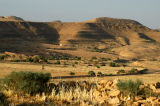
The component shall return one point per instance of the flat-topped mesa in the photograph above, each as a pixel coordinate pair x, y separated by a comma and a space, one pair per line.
10, 18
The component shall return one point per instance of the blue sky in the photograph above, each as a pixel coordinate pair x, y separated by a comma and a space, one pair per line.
146, 12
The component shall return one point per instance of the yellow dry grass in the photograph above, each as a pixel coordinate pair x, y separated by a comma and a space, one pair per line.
64, 70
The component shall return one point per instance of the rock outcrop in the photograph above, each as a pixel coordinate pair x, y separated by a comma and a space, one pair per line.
107, 93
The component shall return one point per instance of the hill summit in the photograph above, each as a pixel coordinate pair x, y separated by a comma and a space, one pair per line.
10, 18
126, 38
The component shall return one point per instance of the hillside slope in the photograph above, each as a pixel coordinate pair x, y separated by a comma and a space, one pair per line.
105, 33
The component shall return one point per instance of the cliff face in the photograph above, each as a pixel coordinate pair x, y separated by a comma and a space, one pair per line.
106, 32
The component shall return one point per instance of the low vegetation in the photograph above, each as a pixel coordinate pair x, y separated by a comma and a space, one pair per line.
29, 86
99, 73
129, 87
72, 73
3, 99
113, 64
26, 82
2, 57
91, 73
121, 71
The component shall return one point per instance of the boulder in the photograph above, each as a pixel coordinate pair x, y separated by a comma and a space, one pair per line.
114, 93
103, 82
114, 101
151, 99
109, 86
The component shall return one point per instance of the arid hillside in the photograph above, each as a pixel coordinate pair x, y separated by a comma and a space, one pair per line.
119, 37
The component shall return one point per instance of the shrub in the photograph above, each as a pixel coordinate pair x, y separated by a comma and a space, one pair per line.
93, 58
103, 64
133, 71
75, 62
2, 57
72, 73
112, 64
51, 57
3, 100
146, 92
27, 82
20, 57
29, 59
65, 63
36, 59
129, 87
104, 59
58, 62
100, 73
91, 73
120, 71
77, 58
43, 59
98, 66
73, 65
144, 71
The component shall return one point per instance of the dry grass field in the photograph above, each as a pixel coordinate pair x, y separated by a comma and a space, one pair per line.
152, 76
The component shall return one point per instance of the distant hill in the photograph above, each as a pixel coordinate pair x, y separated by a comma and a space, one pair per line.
123, 36
158, 29
10, 18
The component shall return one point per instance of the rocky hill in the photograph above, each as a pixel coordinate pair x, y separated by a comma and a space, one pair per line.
121, 36
10, 18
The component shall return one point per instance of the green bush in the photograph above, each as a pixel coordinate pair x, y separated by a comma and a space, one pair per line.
36, 59
103, 64
75, 62
98, 66
2, 57
129, 87
146, 92
65, 63
72, 73
29, 59
73, 65
51, 57
93, 58
58, 62
91, 73
99, 73
132, 71
120, 71
77, 58
26, 82
112, 64
43, 59
105, 59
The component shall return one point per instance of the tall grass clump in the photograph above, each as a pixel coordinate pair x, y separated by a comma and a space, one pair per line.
26, 82
129, 87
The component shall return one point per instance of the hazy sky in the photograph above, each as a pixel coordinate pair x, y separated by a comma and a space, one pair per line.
146, 12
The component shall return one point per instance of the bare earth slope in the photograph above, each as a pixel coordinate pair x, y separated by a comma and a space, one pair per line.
124, 38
